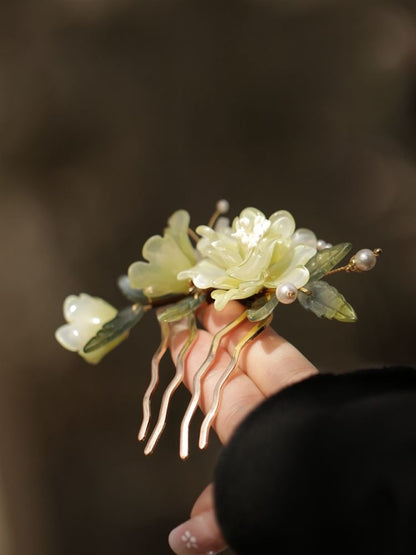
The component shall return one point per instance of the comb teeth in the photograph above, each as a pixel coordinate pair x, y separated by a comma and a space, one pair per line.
172, 386
157, 357
197, 382
202, 370
219, 387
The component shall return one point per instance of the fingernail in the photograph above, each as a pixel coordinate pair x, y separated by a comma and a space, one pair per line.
199, 535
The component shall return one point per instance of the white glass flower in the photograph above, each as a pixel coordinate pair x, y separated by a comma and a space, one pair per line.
86, 315
167, 256
253, 254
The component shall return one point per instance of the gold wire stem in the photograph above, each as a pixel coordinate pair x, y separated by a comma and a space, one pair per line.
157, 357
214, 217
211, 414
171, 388
192, 234
305, 290
347, 268
184, 434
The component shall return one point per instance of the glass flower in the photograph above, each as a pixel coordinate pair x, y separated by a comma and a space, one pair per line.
255, 253
86, 315
167, 256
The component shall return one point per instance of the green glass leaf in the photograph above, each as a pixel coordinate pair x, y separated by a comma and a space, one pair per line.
324, 261
262, 308
326, 301
125, 320
133, 295
182, 308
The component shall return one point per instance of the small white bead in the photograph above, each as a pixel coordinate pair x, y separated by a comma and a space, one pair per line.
321, 244
365, 260
223, 206
286, 293
303, 236
328, 246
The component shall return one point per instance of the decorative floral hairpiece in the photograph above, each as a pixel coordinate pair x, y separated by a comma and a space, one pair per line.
257, 260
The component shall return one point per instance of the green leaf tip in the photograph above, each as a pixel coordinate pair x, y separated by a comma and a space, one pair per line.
327, 302
324, 261
122, 323
181, 309
262, 308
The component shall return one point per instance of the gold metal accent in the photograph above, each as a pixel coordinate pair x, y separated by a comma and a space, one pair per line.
193, 235
378, 251
214, 218
211, 414
184, 435
347, 268
305, 290
171, 388
164, 327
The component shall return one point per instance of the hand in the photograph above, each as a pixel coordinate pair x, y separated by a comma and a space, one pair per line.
267, 364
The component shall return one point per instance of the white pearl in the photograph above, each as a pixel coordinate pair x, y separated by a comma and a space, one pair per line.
223, 206
286, 293
321, 244
328, 246
365, 260
303, 236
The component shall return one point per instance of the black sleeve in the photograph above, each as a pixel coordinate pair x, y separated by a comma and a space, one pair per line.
325, 466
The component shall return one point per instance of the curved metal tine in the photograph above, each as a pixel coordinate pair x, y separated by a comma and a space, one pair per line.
154, 380
171, 388
184, 437
211, 414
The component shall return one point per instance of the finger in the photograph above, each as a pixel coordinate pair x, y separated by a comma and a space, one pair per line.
270, 361
204, 502
240, 394
199, 535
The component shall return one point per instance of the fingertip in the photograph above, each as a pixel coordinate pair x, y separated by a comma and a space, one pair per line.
199, 535
211, 318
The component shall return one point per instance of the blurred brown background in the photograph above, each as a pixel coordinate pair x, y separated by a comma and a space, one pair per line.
114, 113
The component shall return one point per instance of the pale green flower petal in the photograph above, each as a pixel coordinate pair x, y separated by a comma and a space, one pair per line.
226, 282
155, 281
299, 276
84, 307
252, 268
178, 229
302, 254
282, 224
167, 256
222, 297
71, 337
202, 274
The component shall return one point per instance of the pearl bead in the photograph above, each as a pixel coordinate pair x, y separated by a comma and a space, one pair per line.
321, 244
223, 206
303, 236
286, 293
328, 246
365, 260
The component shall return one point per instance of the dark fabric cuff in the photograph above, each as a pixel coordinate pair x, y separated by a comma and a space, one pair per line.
328, 464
